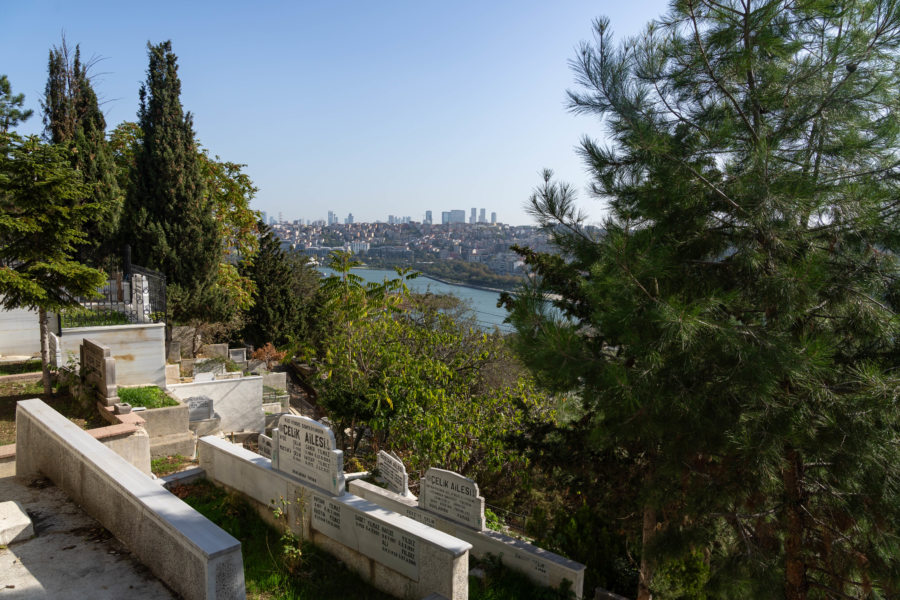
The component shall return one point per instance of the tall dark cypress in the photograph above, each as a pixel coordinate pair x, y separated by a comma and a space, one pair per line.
72, 117
168, 218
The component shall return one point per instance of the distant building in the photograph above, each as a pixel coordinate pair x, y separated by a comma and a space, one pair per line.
481, 218
428, 217
457, 216
349, 219
493, 218
262, 217
472, 217
445, 217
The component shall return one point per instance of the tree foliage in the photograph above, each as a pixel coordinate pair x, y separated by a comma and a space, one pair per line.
10, 112
732, 336
43, 205
284, 290
168, 217
418, 379
72, 117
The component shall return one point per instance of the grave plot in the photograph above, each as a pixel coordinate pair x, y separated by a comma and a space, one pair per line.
394, 553
451, 503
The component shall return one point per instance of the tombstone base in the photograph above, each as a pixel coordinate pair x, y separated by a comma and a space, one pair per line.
109, 401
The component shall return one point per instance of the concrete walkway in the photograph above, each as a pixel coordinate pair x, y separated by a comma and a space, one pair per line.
71, 557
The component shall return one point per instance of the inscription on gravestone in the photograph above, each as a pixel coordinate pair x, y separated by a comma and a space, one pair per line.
452, 496
99, 370
395, 549
306, 450
393, 472
199, 408
265, 446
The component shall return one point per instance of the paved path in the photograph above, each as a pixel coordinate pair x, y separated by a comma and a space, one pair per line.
71, 557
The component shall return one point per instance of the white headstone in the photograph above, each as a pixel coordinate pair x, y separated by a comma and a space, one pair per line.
265, 446
371, 536
307, 450
99, 369
452, 496
393, 472
200, 408
206, 376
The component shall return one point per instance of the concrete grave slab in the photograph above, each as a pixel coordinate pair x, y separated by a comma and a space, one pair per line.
15, 524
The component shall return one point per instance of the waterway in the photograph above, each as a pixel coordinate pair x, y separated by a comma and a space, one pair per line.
482, 303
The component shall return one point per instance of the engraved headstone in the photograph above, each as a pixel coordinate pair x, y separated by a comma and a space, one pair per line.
393, 472
264, 444
395, 549
307, 450
238, 355
99, 370
452, 496
200, 408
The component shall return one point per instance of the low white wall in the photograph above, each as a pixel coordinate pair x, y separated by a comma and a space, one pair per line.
363, 535
541, 566
20, 332
183, 548
139, 350
237, 401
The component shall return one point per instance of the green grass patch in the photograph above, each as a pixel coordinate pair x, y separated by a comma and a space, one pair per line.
148, 396
29, 366
275, 566
166, 465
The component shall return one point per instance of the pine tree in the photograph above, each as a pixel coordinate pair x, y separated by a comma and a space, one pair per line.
10, 113
43, 206
731, 335
72, 117
168, 217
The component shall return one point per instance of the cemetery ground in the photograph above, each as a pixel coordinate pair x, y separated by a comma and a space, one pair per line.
12, 390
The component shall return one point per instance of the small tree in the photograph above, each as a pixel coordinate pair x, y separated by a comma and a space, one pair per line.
43, 206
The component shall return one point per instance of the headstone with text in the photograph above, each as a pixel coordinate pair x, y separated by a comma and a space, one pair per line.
307, 451
264, 443
369, 535
453, 497
200, 408
99, 370
393, 472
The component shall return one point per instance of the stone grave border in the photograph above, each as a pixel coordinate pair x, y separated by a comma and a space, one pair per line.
442, 560
183, 548
539, 565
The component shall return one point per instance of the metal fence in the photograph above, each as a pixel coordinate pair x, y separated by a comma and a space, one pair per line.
138, 296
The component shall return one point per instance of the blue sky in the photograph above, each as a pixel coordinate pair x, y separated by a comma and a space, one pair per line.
373, 108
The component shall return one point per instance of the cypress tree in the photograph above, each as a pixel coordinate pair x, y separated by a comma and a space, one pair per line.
732, 336
284, 288
72, 117
168, 217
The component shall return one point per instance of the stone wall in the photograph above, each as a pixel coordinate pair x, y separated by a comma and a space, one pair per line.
238, 402
183, 548
139, 350
19, 332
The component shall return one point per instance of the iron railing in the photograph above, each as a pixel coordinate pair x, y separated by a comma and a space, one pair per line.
138, 296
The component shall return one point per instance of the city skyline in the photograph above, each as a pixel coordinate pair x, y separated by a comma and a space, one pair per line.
363, 108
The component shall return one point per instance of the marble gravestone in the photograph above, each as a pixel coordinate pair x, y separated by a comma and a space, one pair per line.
199, 408
264, 444
99, 370
306, 450
393, 472
453, 497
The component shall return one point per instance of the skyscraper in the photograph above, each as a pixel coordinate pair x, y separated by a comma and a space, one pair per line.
428, 217
472, 217
445, 217
481, 218
493, 218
